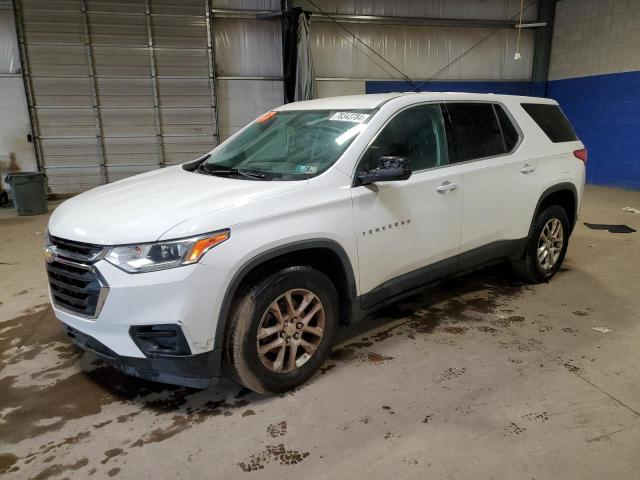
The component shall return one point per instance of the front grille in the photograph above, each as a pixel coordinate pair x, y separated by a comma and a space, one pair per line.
76, 288
76, 250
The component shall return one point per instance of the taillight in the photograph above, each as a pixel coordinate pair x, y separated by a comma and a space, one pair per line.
581, 154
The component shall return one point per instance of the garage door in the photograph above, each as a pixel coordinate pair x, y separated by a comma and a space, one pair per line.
117, 87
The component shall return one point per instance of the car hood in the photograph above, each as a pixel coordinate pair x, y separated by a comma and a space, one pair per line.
144, 207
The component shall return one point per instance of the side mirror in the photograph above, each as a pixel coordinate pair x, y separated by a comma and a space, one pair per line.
390, 169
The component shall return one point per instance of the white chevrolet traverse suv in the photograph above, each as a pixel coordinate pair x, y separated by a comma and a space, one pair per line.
248, 259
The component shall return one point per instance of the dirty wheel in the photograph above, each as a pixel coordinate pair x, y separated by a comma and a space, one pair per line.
282, 329
546, 247
290, 331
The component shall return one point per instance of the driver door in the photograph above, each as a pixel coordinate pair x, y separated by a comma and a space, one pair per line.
408, 232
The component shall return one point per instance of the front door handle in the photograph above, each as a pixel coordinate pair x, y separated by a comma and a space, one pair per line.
447, 187
527, 168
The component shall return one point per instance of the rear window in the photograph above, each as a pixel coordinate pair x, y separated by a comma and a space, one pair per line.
477, 130
552, 122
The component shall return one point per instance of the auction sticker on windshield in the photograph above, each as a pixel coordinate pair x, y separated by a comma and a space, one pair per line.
349, 117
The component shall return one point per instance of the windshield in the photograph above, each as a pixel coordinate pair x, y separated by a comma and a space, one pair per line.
290, 145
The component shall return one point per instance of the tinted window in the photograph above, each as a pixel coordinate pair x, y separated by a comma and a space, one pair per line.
552, 121
473, 131
417, 133
509, 132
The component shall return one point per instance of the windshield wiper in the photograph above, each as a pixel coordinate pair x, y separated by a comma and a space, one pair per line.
230, 171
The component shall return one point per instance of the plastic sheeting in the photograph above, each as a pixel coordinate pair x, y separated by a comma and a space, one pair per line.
248, 47
419, 52
9, 53
305, 75
469, 9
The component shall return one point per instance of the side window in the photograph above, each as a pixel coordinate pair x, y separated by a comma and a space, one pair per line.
473, 131
417, 133
552, 121
509, 132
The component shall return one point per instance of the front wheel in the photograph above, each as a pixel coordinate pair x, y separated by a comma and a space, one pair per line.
546, 246
281, 329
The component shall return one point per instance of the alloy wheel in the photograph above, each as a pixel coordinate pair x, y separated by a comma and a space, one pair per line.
290, 330
550, 244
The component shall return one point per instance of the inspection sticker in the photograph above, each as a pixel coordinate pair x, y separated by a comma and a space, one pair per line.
306, 169
349, 117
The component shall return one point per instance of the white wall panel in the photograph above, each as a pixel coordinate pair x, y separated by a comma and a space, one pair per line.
248, 47
336, 88
241, 101
419, 52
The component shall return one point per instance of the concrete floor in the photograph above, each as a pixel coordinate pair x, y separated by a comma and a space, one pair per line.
478, 378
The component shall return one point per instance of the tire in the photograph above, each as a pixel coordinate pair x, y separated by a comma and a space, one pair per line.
530, 268
256, 310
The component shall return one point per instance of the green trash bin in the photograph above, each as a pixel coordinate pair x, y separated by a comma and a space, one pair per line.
29, 192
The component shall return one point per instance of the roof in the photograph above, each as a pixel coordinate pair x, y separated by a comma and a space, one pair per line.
349, 102
374, 100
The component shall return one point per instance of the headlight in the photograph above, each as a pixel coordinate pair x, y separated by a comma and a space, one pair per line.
149, 257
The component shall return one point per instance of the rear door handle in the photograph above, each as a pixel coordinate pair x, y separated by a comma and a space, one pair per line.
447, 187
528, 168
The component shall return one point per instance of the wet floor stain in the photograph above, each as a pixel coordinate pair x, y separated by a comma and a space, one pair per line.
465, 411
573, 367
7, 461
59, 469
392, 435
455, 330
272, 453
277, 429
451, 373
327, 368
514, 429
75, 386
109, 454
541, 417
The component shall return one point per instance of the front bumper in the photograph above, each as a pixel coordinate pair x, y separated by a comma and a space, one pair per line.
194, 371
187, 298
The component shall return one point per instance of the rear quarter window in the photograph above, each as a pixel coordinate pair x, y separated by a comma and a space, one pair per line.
552, 121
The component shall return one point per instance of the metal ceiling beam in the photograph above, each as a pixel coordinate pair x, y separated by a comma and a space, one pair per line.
375, 19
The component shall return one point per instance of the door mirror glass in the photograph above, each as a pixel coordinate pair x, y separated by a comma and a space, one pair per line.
389, 169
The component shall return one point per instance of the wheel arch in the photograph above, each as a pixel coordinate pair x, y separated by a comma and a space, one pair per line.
564, 194
327, 256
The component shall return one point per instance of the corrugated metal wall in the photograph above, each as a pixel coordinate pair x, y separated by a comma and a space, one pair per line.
117, 87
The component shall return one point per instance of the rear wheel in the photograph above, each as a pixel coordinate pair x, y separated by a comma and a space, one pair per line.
282, 329
546, 247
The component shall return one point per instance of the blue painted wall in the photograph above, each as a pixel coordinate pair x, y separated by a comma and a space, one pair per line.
604, 109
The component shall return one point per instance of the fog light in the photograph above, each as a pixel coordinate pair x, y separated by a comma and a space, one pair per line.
160, 340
